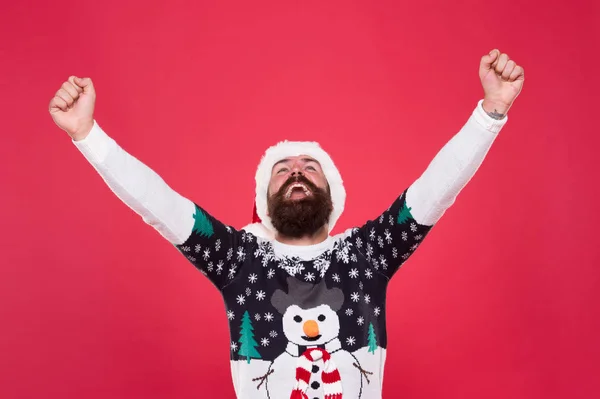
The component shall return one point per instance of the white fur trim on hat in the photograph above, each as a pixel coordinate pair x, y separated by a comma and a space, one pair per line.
286, 149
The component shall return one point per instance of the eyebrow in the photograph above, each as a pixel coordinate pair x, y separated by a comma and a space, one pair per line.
285, 160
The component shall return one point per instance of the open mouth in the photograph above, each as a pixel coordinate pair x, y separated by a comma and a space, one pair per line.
310, 339
297, 190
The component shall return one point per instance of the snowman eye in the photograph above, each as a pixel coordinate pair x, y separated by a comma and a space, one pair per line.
321, 317
297, 319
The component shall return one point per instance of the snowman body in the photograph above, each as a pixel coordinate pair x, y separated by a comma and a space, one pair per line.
283, 378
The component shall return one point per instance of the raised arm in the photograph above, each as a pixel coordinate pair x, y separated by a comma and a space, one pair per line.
392, 238
179, 220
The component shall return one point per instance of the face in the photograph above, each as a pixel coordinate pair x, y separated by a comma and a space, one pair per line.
314, 326
293, 166
299, 202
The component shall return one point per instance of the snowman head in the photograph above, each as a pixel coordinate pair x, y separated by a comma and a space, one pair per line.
309, 312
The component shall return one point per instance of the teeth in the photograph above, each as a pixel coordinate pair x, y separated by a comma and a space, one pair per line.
288, 194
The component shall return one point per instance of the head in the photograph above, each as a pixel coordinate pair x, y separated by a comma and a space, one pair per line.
309, 311
298, 188
298, 197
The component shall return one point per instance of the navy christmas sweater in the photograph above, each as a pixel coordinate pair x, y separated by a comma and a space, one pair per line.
284, 302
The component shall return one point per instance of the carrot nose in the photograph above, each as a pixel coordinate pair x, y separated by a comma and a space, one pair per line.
311, 328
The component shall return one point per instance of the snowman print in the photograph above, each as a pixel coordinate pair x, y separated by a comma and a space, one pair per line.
314, 365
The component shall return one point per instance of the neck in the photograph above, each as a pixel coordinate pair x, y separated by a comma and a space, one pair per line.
312, 239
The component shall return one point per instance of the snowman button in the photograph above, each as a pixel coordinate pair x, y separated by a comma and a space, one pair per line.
315, 369
315, 385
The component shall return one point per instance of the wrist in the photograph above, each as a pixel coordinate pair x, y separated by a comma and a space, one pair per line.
495, 109
83, 131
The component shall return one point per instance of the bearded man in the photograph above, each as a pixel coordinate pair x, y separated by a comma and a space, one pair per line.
306, 310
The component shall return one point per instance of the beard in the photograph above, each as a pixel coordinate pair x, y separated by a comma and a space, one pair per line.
302, 217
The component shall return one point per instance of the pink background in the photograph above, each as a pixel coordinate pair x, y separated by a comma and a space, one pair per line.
501, 301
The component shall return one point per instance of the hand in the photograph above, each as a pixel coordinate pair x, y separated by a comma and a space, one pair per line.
502, 80
72, 107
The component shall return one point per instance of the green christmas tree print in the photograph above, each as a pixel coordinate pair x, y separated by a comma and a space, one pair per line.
372, 339
202, 224
404, 214
247, 342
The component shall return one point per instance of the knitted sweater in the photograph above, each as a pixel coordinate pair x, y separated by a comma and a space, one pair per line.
282, 300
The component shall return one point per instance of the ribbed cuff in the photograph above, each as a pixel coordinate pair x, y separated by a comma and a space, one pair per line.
96, 145
489, 123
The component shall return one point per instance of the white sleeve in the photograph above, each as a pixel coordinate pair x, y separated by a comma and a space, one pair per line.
452, 168
138, 186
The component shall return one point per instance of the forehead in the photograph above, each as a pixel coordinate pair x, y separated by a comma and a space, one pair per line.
292, 160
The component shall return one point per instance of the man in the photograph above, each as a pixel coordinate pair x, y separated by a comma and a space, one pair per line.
306, 310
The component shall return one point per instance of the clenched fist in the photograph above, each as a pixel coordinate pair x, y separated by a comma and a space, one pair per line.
72, 107
502, 80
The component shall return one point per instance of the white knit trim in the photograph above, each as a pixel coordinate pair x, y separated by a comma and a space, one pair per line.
286, 149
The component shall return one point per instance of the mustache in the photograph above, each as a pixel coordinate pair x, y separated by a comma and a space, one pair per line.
297, 179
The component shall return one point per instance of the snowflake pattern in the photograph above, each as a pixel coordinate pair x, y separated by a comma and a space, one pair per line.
321, 264
358, 242
369, 255
291, 265
220, 267
241, 254
342, 250
388, 236
382, 262
265, 253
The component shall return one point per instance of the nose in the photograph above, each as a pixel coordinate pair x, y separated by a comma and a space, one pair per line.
296, 170
311, 328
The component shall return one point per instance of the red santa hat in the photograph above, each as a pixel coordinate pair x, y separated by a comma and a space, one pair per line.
261, 223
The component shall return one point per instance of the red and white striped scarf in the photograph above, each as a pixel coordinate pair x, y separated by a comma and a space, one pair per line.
330, 376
